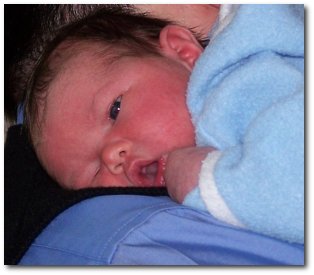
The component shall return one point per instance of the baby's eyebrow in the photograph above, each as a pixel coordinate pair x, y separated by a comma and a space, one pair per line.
102, 97
100, 104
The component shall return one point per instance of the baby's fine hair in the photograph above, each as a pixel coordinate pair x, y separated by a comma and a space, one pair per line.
123, 33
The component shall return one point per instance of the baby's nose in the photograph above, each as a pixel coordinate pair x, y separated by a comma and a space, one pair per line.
115, 155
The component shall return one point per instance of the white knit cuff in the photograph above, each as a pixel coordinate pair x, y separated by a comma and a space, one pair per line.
213, 200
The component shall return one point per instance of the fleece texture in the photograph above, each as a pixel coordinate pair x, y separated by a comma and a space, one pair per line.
246, 98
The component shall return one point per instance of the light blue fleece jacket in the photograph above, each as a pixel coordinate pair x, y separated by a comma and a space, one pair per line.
246, 98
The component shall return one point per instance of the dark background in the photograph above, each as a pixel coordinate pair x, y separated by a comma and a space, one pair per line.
20, 20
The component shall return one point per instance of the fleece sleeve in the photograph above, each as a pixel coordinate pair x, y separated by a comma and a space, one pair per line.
260, 184
246, 98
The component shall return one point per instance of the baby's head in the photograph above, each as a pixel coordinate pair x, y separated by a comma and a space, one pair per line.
107, 100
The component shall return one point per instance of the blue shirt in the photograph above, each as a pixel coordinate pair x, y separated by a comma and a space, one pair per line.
141, 230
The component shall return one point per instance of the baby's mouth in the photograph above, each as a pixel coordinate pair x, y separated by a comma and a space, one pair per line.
154, 172
148, 174
150, 170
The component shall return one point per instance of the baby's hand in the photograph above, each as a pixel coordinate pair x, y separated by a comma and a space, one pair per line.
182, 170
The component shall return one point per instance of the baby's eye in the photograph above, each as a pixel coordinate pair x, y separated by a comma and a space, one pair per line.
115, 108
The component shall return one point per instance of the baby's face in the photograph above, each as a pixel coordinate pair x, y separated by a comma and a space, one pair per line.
110, 125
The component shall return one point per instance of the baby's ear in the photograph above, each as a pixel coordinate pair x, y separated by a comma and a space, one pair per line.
180, 44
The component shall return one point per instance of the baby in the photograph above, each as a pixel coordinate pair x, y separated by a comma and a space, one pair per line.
108, 101
107, 106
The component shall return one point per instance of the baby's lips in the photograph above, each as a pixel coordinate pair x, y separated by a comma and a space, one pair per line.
163, 162
147, 173
163, 159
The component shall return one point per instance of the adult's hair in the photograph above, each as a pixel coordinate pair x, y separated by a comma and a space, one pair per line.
121, 33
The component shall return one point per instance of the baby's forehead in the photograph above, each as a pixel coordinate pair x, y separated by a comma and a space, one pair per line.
70, 58
68, 51
51, 76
